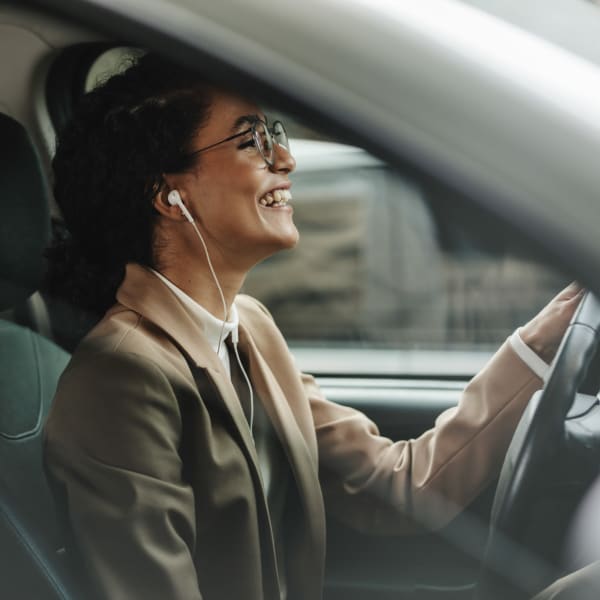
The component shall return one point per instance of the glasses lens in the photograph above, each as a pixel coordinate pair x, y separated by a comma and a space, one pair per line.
280, 135
264, 141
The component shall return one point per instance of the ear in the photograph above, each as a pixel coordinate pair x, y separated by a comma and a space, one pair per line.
163, 207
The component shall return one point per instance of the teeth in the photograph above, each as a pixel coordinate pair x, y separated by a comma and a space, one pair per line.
276, 198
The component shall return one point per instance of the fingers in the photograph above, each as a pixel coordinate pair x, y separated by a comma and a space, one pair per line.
572, 291
544, 332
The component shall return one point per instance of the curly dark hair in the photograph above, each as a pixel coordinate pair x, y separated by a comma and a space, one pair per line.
108, 167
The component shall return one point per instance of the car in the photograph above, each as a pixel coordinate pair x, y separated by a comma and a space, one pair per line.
446, 187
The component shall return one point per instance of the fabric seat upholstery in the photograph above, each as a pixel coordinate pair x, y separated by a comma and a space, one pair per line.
33, 565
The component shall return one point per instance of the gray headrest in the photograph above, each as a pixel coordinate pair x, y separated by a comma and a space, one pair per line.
24, 214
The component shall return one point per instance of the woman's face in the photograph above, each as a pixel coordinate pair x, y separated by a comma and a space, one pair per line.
226, 192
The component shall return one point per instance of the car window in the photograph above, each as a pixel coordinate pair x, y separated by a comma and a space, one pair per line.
388, 262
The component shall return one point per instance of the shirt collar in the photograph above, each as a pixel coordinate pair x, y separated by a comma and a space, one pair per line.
211, 325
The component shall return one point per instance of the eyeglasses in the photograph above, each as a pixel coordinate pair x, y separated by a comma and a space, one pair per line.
264, 139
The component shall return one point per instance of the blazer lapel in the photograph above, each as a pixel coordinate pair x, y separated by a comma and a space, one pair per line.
144, 293
301, 462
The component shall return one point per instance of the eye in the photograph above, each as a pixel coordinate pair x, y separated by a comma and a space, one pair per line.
246, 144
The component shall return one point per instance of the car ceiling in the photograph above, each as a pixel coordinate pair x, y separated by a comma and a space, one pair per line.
518, 130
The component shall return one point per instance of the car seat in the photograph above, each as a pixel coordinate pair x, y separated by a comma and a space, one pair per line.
33, 565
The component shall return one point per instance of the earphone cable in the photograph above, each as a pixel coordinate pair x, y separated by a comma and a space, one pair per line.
214, 276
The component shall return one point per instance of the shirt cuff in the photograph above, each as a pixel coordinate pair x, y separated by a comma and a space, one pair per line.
529, 357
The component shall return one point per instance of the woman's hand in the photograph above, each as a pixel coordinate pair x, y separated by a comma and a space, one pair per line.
545, 331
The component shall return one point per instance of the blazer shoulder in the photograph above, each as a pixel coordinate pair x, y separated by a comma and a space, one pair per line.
127, 335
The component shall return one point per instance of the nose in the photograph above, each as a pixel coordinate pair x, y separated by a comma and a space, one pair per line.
284, 161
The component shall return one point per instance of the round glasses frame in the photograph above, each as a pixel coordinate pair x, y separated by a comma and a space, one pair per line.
264, 138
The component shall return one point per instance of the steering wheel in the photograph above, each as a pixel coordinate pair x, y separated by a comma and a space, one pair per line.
540, 441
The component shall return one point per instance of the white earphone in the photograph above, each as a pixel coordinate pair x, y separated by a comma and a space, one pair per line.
174, 199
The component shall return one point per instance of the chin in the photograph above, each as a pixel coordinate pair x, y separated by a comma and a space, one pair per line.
291, 240
282, 242
283, 238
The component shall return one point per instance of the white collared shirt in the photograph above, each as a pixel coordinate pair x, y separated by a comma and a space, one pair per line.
215, 329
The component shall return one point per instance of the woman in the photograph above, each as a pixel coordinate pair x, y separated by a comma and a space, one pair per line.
189, 456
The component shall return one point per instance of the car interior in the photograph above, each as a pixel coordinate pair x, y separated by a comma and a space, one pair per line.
52, 61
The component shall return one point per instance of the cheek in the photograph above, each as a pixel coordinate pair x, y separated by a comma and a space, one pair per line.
240, 186
229, 197
234, 214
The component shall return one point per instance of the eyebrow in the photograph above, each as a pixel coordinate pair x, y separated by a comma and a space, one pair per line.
245, 120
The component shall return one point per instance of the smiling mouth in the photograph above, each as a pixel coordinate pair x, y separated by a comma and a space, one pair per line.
276, 198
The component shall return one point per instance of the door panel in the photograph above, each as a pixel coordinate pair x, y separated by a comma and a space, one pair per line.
402, 408
422, 566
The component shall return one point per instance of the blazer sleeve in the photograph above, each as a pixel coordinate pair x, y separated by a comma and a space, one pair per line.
381, 486
111, 450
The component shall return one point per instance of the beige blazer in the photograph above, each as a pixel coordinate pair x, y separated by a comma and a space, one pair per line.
154, 467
